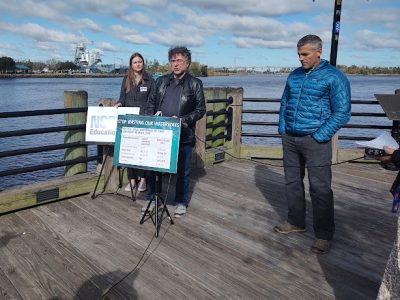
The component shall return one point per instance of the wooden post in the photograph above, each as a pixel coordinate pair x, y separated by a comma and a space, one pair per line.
110, 172
216, 154
73, 99
237, 109
200, 147
218, 93
199, 155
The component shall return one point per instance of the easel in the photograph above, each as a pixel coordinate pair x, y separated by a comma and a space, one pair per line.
108, 153
152, 143
155, 215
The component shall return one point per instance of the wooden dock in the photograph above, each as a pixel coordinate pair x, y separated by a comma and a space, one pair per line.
225, 248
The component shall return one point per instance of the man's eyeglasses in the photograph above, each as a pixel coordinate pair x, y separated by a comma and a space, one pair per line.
177, 61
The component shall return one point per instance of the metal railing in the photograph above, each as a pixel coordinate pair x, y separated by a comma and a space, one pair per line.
225, 125
276, 112
44, 130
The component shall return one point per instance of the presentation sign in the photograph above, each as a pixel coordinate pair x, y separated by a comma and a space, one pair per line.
101, 123
147, 142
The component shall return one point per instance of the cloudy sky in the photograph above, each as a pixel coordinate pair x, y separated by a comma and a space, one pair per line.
219, 32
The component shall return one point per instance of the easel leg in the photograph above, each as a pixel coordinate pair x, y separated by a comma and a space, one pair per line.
98, 178
164, 209
120, 179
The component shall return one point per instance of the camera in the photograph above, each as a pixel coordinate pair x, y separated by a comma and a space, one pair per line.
373, 152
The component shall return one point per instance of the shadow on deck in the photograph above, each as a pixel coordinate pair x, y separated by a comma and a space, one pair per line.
224, 248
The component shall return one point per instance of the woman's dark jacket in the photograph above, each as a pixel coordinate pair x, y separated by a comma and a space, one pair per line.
140, 95
192, 105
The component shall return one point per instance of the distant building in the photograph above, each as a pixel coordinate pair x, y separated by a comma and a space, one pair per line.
22, 69
86, 60
106, 68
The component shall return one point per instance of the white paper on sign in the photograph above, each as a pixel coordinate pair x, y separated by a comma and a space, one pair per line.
385, 139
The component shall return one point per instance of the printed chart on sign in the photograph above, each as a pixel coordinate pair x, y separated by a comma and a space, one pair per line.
146, 147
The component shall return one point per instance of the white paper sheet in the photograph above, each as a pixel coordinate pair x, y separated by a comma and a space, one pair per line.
385, 139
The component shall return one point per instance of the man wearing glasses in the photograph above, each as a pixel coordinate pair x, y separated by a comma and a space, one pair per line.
180, 95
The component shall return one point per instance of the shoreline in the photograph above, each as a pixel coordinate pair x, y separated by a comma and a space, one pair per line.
111, 75
60, 75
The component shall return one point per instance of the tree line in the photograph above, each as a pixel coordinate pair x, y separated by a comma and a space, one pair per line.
364, 70
8, 65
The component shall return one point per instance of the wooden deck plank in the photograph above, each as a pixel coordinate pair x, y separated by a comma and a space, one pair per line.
28, 271
7, 290
225, 247
127, 213
103, 239
74, 266
175, 254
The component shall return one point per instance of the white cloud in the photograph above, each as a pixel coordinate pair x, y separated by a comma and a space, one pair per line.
6, 46
45, 46
104, 46
29, 8
254, 42
117, 8
9, 50
365, 39
255, 7
139, 18
55, 26
84, 23
39, 33
261, 31
168, 38
129, 35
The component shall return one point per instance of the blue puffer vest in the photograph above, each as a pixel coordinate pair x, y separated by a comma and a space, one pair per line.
316, 103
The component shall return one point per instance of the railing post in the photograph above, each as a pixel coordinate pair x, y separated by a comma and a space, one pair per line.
111, 172
73, 99
237, 111
200, 147
200, 157
220, 146
218, 93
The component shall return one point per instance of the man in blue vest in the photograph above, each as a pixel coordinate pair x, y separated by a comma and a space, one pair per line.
315, 104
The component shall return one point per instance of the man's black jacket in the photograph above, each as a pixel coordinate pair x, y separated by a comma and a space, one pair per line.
192, 105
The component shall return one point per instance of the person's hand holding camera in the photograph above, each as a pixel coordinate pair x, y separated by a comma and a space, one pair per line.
387, 157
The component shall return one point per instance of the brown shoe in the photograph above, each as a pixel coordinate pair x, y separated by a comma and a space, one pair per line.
286, 228
321, 246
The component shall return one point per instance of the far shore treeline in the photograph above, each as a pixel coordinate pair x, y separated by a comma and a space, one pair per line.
53, 67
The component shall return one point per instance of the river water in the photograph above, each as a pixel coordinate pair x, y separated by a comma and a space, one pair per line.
47, 93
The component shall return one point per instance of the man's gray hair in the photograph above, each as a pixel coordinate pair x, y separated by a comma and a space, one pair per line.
313, 40
180, 50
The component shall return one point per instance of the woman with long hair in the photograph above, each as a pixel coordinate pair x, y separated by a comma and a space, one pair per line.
137, 88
